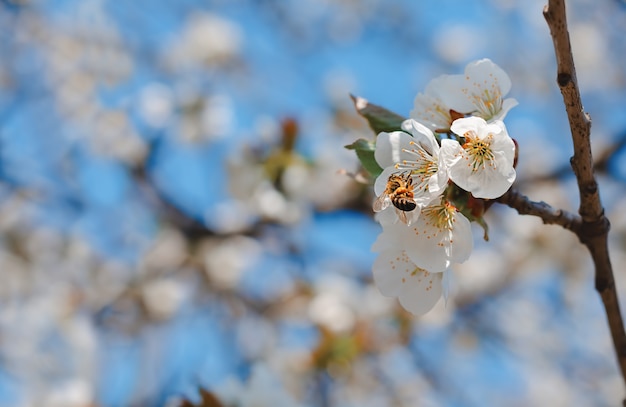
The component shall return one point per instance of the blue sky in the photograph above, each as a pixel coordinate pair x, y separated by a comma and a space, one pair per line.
290, 51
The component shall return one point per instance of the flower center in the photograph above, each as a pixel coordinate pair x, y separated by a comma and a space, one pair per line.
479, 151
422, 167
441, 216
488, 103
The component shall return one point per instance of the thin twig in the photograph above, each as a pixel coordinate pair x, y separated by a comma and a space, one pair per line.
593, 231
547, 213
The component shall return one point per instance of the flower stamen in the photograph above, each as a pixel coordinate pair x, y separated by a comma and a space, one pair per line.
441, 216
479, 151
422, 167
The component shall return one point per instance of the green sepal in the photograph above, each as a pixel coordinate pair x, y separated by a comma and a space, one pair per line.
379, 118
481, 221
470, 214
365, 151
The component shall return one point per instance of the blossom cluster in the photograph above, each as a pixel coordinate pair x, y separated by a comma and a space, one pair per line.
453, 152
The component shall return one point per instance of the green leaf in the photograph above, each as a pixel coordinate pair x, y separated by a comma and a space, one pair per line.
379, 118
365, 151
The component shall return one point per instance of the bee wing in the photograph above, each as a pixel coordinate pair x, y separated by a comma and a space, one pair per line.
402, 216
381, 203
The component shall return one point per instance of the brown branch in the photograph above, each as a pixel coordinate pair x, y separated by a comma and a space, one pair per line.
580, 123
594, 229
547, 213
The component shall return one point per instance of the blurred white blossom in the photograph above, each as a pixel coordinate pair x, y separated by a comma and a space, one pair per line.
226, 261
164, 297
167, 251
156, 104
207, 40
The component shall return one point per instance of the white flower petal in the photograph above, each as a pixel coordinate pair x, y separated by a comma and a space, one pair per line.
433, 246
396, 276
484, 164
507, 104
431, 111
452, 94
383, 242
486, 75
502, 143
446, 283
420, 291
462, 242
390, 238
390, 269
439, 181
451, 153
429, 254
485, 86
389, 147
489, 183
432, 108
381, 181
422, 135
471, 124
386, 217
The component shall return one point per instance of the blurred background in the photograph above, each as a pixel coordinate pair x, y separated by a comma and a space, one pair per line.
178, 220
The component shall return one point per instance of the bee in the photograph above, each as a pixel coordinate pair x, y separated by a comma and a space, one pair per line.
399, 192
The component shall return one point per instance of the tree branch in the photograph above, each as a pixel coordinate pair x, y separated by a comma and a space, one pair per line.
594, 229
547, 213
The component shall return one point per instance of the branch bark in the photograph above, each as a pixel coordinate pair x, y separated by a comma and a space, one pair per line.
549, 215
592, 226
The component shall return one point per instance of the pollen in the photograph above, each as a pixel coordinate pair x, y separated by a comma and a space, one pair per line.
489, 101
423, 165
479, 151
441, 216
420, 271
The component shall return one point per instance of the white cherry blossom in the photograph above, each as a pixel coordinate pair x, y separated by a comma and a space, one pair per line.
416, 156
396, 275
415, 256
483, 165
483, 90
414, 261
438, 238
432, 108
